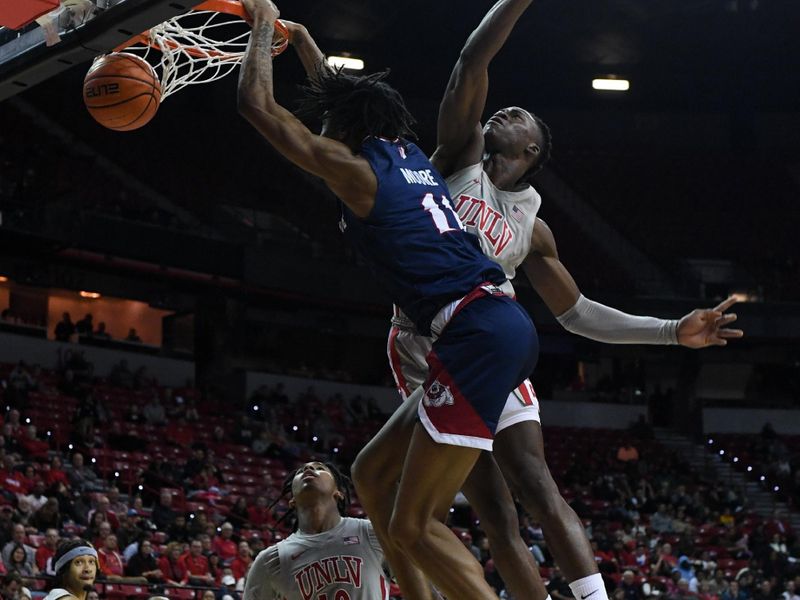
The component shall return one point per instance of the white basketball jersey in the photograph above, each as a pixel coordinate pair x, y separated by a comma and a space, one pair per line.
343, 563
503, 221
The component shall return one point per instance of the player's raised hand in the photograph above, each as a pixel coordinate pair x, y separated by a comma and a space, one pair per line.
265, 9
296, 30
707, 327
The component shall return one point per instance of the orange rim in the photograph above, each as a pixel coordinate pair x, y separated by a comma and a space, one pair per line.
229, 7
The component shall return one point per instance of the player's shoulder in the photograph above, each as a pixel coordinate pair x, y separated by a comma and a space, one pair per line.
268, 555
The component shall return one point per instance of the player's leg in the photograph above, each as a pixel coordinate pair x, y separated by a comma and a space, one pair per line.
376, 473
488, 494
519, 452
432, 475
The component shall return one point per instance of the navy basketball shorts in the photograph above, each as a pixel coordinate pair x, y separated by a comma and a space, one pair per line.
486, 349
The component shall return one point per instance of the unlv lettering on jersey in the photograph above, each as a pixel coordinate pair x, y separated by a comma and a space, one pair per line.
104, 89
314, 578
474, 212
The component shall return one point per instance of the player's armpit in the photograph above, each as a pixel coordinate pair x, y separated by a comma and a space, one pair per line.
349, 176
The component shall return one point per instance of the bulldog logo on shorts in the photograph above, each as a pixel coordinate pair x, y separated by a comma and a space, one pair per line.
438, 395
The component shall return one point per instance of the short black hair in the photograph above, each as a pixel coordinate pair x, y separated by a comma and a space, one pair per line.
546, 147
62, 549
362, 104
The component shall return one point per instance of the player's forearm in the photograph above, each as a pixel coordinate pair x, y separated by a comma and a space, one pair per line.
255, 79
493, 31
309, 53
605, 324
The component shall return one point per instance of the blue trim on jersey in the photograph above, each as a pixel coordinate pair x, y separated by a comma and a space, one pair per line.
412, 239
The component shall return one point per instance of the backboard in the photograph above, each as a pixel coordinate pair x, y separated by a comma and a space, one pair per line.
26, 58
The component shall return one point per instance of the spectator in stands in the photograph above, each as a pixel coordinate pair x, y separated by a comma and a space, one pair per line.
178, 530
764, 591
103, 531
790, 592
18, 562
20, 383
128, 529
631, 589
154, 411
163, 513
81, 477
660, 521
215, 567
224, 545
48, 516
244, 558
85, 326
115, 503
56, 473
100, 333
144, 564
18, 540
110, 560
173, 569
227, 590
65, 328
104, 508
133, 548
259, 515
239, 515
665, 562
133, 336
11, 586
196, 565
557, 587
46, 551
32, 446
734, 592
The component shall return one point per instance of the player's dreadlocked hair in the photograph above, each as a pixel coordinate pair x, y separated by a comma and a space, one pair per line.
343, 484
546, 149
365, 104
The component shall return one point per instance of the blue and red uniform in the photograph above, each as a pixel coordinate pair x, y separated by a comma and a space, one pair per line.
436, 273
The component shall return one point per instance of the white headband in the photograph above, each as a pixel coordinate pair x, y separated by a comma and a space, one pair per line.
74, 553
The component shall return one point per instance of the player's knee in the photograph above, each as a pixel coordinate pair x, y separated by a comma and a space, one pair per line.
405, 531
368, 473
534, 485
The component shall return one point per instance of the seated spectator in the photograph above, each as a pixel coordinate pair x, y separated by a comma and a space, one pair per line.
215, 567
241, 564
109, 559
238, 514
259, 515
19, 562
144, 564
103, 531
178, 530
32, 446
631, 589
558, 587
115, 503
224, 545
172, 568
133, 336
65, 328
85, 326
163, 513
790, 593
81, 477
104, 508
100, 333
665, 562
56, 473
11, 587
46, 551
734, 592
20, 383
196, 565
18, 540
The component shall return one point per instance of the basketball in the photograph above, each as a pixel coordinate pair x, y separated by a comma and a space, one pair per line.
121, 91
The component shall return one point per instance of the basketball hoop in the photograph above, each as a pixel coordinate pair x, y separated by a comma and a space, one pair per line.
200, 46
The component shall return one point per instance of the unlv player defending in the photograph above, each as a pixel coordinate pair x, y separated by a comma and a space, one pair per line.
398, 214
330, 556
488, 170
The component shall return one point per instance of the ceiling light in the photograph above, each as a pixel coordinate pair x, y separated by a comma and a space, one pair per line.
611, 85
348, 62
92, 295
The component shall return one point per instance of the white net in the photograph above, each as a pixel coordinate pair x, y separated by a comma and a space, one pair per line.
199, 47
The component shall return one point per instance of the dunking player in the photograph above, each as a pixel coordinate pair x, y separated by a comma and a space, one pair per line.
330, 556
398, 214
487, 170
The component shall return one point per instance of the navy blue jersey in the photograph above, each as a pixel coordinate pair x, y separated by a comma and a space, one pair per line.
412, 239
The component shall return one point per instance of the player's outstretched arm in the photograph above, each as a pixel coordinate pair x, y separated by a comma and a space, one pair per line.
348, 175
307, 50
554, 284
460, 140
